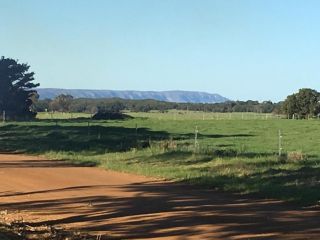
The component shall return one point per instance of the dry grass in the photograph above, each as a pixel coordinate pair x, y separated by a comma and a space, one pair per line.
295, 156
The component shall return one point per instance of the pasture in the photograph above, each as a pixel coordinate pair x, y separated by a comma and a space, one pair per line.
231, 152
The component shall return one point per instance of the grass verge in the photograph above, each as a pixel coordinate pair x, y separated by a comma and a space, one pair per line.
231, 155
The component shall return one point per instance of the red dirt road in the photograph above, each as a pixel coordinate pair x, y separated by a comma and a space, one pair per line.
125, 206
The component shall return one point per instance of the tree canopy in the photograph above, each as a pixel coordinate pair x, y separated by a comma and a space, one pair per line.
302, 104
62, 103
17, 92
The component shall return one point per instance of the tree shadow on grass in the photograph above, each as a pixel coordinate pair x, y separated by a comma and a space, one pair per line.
204, 136
51, 135
95, 139
184, 157
300, 186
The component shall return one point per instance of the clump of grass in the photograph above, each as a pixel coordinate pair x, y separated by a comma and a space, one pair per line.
296, 156
163, 145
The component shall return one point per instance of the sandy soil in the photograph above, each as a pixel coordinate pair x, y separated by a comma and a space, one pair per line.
125, 206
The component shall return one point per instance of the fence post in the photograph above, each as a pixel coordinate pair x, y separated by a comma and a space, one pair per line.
196, 144
280, 143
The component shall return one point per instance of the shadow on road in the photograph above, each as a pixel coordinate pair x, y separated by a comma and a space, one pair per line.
156, 209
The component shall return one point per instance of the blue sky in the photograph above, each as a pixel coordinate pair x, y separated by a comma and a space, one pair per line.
259, 49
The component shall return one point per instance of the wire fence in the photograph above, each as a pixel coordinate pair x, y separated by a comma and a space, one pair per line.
194, 115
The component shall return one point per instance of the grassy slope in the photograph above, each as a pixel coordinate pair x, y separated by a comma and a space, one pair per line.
235, 155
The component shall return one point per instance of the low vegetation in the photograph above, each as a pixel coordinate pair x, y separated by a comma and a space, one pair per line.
239, 154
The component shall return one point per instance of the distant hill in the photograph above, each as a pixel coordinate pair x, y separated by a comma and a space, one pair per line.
168, 96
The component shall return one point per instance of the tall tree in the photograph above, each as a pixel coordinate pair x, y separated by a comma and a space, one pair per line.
17, 91
62, 103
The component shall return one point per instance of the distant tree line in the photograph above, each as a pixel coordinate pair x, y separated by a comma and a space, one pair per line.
67, 103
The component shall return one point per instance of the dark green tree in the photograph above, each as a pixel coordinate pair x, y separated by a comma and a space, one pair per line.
42, 105
113, 107
17, 92
302, 104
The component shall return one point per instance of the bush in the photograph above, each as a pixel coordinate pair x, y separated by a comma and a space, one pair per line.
102, 115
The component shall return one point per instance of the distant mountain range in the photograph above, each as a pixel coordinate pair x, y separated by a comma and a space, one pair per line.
168, 96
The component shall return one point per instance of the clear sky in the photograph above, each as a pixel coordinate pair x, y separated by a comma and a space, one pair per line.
259, 49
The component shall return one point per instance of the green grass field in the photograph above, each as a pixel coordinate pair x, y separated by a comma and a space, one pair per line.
193, 115
237, 153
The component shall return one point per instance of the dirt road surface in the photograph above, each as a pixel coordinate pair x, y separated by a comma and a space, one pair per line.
125, 206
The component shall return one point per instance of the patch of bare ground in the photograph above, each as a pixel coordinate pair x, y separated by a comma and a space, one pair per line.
42, 199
